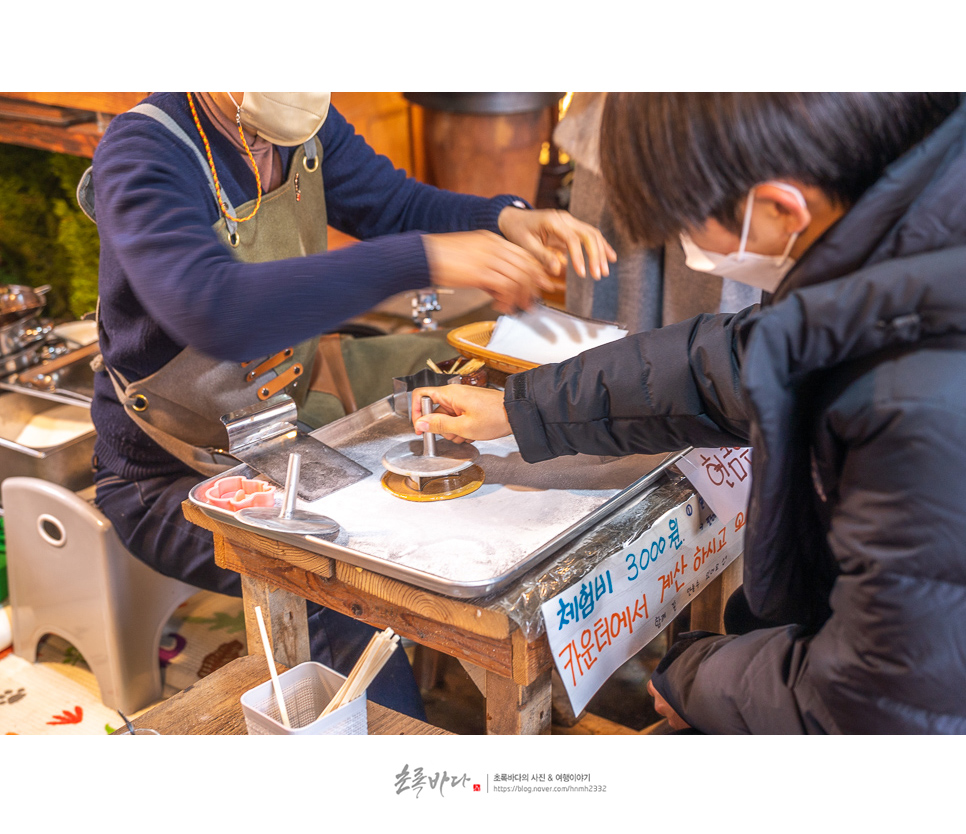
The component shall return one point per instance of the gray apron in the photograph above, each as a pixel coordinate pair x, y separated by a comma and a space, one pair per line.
180, 406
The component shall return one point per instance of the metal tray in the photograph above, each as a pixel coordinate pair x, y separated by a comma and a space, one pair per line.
467, 547
64, 459
72, 382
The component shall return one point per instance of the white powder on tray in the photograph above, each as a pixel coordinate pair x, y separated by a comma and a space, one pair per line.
480, 537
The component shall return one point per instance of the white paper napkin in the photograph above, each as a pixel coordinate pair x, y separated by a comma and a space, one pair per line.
544, 335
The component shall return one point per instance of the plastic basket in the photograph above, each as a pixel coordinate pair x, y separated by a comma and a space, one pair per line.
307, 690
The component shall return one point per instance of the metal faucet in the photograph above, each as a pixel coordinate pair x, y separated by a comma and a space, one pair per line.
425, 303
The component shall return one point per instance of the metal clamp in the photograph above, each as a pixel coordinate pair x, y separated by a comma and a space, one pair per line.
266, 434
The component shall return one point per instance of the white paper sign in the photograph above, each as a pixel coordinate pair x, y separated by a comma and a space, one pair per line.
595, 626
722, 477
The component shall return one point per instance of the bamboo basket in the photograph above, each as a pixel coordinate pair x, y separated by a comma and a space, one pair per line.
471, 341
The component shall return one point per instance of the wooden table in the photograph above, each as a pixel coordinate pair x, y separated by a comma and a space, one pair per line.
513, 674
212, 706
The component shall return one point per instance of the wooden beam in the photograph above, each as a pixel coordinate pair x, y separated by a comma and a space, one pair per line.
77, 140
212, 706
517, 710
707, 609
299, 557
112, 103
445, 630
285, 620
593, 725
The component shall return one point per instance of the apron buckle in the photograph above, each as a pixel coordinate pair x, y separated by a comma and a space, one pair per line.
267, 365
288, 376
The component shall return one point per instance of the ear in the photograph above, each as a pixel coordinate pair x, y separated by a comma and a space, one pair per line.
796, 216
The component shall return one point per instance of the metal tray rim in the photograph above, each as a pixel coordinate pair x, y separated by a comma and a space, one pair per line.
460, 590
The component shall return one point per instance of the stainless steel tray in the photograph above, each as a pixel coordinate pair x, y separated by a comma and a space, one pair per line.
64, 457
467, 547
71, 383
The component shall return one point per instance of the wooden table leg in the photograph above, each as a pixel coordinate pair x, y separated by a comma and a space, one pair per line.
286, 622
707, 610
477, 636
512, 709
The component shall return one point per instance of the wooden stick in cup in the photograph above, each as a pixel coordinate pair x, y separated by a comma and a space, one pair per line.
380, 647
471, 366
271, 668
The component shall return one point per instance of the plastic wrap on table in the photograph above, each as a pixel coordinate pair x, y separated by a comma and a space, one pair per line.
521, 601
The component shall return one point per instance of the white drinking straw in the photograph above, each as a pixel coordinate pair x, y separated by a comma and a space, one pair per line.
271, 667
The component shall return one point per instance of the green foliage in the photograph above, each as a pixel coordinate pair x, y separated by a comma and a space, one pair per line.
44, 236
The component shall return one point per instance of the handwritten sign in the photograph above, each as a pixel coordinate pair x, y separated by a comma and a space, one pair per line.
721, 476
628, 599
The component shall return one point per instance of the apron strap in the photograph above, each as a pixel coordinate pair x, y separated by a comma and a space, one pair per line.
311, 160
159, 115
85, 193
85, 188
207, 462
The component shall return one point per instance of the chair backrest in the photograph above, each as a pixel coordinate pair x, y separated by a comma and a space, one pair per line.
55, 542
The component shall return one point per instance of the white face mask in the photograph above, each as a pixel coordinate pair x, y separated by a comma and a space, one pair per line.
762, 271
286, 119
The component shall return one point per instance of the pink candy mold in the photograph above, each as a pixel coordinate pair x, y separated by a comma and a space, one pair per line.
235, 493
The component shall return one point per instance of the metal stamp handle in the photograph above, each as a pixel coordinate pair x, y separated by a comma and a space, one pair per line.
429, 439
292, 484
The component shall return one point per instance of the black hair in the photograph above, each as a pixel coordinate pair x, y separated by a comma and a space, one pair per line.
672, 161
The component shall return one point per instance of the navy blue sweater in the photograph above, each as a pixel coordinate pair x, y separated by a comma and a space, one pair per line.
166, 282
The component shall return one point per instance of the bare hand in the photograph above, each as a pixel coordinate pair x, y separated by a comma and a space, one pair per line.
675, 721
550, 235
465, 413
486, 261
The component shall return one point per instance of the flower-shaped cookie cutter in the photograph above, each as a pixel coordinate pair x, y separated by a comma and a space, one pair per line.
235, 493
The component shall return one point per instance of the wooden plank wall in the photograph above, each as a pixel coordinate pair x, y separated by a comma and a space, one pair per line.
73, 123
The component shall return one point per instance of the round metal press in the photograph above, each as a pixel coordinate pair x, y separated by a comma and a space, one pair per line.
290, 519
432, 469
441, 488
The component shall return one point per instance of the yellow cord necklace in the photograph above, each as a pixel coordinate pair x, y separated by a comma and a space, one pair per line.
211, 163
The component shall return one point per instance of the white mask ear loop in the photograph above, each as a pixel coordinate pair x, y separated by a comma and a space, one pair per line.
788, 249
237, 107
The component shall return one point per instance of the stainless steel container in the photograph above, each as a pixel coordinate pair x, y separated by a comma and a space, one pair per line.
18, 335
42, 438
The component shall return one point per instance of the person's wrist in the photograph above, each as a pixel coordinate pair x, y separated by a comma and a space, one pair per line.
507, 212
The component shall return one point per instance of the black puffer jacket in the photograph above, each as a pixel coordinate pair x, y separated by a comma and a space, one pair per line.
851, 387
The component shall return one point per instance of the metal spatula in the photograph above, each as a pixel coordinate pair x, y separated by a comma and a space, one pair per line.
265, 435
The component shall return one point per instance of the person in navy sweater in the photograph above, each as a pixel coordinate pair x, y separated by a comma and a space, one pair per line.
212, 211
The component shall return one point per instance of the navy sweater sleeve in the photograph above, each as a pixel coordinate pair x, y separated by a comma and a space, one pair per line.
367, 196
155, 216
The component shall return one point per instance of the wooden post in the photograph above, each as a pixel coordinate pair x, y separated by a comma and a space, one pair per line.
285, 622
512, 709
707, 610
